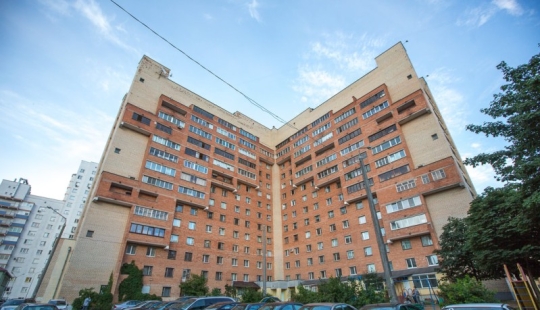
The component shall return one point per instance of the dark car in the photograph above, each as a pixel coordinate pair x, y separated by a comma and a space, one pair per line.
36, 307
392, 306
248, 306
327, 306
283, 305
224, 305
198, 303
270, 299
479, 306
10, 303
144, 305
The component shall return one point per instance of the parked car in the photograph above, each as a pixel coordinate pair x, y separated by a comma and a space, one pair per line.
327, 306
33, 306
392, 306
126, 304
282, 305
13, 303
248, 306
224, 305
144, 305
270, 299
198, 303
59, 303
479, 306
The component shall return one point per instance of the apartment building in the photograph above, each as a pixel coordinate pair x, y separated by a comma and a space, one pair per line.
186, 187
75, 198
29, 230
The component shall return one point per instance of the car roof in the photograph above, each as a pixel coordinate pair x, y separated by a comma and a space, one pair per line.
485, 304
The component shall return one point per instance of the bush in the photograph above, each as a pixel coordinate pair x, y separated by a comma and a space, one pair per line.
465, 290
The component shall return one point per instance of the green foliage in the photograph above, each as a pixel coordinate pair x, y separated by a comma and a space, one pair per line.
503, 231
230, 291
517, 114
131, 287
215, 292
251, 295
195, 285
457, 256
101, 300
465, 290
503, 226
352, 292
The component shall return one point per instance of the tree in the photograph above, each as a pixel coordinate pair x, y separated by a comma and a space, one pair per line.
517, 109
230, 291
195, 285
465, 290
251, 295
457, 258
505, 223
305, 296
503, 231
131, 287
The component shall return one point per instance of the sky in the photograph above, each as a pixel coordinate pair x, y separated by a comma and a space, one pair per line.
66, 64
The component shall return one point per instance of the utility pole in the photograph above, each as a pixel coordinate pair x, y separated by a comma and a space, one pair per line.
380, 242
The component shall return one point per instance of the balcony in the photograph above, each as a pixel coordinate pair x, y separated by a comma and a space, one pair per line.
409, 232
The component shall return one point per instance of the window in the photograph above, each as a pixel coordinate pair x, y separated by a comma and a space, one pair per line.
171, 254
321, 259
365, 235
177, 222
368, 251
345, 224
432, 260
174, 238
191, 226
411, 263
350, 254
131, 249
352, 270
150, 251
407, 222
406, 244
425, 179
426, 240
371, 268
219, 275
188, 256
190, 241
425, 281
334, 242
147, 270
438, 174
336, 257
169, 272
166, 291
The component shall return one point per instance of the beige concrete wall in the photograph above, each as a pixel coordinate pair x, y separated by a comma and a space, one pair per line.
52, 279
277, 224
422, 148
128, 162
453, 202
101, 254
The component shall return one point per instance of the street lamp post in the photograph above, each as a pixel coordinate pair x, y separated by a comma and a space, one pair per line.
44, 272
380, 243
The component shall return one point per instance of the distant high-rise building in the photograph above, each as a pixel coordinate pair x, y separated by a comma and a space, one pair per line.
29, 229
74, 201
185, 187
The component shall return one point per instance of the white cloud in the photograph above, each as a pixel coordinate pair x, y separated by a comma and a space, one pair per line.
449, 100
93, 13
333, 62
480, 15
253, 12
511, 6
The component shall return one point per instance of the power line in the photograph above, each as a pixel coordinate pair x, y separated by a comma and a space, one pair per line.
252, 101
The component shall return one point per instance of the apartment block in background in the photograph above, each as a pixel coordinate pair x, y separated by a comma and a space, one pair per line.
28, 231
185, 187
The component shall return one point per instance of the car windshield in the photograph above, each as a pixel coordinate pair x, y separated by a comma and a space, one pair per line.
12, 302
58, 302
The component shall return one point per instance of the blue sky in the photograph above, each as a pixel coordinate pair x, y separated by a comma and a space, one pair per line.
67, 64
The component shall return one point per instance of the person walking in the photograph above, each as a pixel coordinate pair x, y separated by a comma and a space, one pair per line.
416, 296
86, 303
